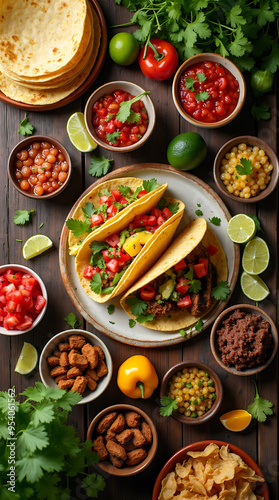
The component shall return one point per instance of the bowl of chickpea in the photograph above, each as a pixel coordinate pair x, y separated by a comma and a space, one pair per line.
39, 167
246, 169
197, 390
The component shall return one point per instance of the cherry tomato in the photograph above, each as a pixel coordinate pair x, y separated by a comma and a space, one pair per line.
147, 292
161, 60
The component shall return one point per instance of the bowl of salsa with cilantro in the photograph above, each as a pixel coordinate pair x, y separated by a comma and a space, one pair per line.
120, 116
208, 90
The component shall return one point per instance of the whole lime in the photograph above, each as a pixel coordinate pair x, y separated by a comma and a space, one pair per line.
123, 48
262, 81
186, 151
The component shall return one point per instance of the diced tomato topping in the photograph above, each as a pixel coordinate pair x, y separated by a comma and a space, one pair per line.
180, 265
14, 278
116, 194
8, 288
11, 306
161, 220
200, 270
152, 220
156, 212
28, 283
153, 229
108, 254
3, 300
205, 263
108, 200
39, 304
184, 301
113, 240
166, 213
113, 265
88, 271
96, 219
182, 286
142, 193
11, 321
123, 201
147, 292
212, 250
111, 211
26, 323
15, 296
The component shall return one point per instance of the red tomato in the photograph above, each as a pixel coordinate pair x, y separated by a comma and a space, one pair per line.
156, 212
111, 211
180, 265
205, 263
182, 286
88, 271
166, 213
185, 301
39, 304
113, 240
113, 265
123, 201
108, 254
161, 60
161, 220
212, 250
200, 269
142, 193
106, 199
14, 278
96, 219
28, 283
147, 292
116, 194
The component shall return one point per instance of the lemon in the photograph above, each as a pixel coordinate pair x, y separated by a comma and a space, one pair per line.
36, 245
253, 287
186, 151
241, 228
256, 256
236, 420
27, 360
78, 134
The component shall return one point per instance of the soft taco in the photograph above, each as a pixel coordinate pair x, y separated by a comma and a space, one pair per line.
112, 259
105, 202
180, 288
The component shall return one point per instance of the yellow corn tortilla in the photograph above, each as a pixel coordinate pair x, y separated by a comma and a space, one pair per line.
150, 252
196, 232
93, 197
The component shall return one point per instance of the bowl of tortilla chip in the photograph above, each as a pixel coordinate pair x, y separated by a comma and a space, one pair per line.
208, 468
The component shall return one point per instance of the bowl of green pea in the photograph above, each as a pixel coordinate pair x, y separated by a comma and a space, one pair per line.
193, 392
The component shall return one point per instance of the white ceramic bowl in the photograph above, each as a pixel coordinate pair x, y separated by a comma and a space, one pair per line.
27, 270
226, 63
51, 346
108, 88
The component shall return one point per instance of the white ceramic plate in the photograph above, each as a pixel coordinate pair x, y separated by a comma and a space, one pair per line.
196, 194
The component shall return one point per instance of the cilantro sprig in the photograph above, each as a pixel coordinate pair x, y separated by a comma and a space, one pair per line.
126, 114
72, 320
99, 166
189, 84
245, 167
195, 285
22, 216
221, 291
260, 408
168, 406
138, 309
25, 127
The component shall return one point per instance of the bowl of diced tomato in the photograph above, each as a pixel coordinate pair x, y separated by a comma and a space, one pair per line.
208, 90
23, 299
120, 116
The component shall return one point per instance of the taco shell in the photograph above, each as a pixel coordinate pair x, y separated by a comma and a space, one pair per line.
196, 232
150, 252
93, 197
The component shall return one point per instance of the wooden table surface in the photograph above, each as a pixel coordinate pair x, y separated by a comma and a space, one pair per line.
259, 440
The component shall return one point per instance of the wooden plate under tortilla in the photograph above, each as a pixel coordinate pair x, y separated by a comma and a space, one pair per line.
84, 87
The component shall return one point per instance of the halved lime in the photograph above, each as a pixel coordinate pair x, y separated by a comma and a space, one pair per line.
253, 287
256, 256
36, 245
27, 360
78, 134
241, 228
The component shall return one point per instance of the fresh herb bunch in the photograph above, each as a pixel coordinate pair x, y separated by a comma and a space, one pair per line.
48, 452
246, 32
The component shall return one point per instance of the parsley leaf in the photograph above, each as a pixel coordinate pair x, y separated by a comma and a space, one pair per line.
99, 166
189, 83
195, 285
88, 209
132, 323
22, 216
25, 128
257, 222
110, 308
202, 96
143, 318
138, 306
124, 114
215, 220
72, 320
246, 167
78, 227
97, 246
221, 291
173, 207
198, 212
96, 284
260, 408
150, 185
201, 76
168, 406
113, 137
261, 112
125, 190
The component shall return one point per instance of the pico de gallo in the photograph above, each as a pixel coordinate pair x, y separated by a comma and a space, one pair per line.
208, 92
111, 258
21, 300
110, 204
109, 124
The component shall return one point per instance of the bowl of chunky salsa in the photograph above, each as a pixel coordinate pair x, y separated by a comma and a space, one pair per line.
208, 90
120, 116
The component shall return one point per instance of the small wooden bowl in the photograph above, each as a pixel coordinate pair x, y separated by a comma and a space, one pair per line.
164, 388
24, 144
217, 325
226, 63
108, 88
106, 466
250, 141
182, 455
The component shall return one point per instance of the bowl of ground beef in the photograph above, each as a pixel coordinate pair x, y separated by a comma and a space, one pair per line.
244, 340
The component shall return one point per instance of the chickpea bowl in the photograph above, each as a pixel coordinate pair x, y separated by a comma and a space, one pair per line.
39, 167
246, 169
197, 390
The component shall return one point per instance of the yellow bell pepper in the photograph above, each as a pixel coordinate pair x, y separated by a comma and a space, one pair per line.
137, 377
134, 243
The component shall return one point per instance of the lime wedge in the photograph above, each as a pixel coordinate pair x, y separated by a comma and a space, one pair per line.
27, 360
256, 256
253, 287
36, 245
78, 134
241, 228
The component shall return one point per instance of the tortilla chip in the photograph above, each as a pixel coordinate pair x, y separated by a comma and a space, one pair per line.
168, 487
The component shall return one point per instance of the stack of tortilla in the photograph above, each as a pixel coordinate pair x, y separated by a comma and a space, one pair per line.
47, 48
